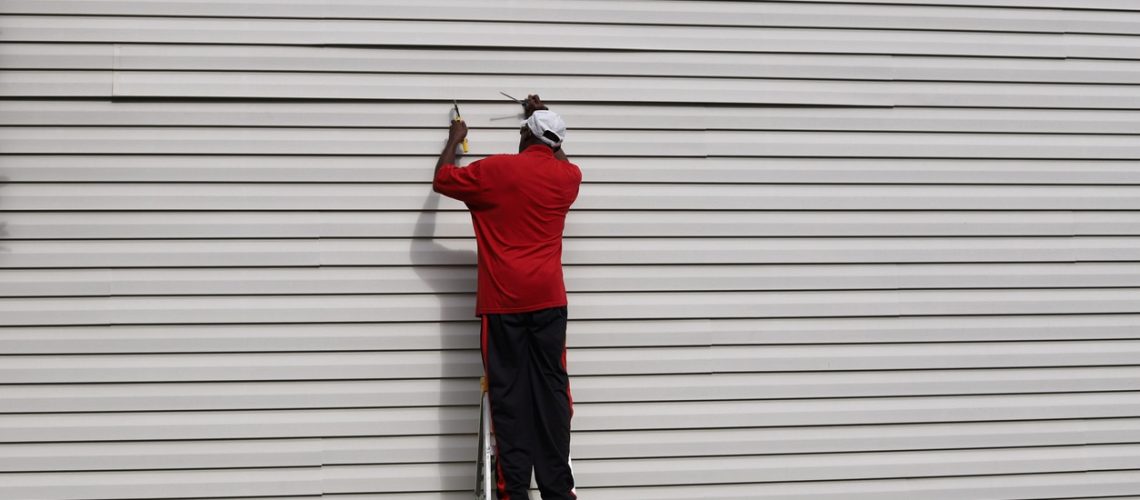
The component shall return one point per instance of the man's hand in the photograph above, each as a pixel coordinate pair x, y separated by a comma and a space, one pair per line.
532, 103
455, 135
457, 132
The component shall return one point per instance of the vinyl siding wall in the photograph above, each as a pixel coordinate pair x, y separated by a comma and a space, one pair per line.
824, 250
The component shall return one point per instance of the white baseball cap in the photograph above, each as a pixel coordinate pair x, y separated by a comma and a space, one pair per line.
547, 126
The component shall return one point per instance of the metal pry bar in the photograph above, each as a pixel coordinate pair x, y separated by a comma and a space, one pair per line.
513, 99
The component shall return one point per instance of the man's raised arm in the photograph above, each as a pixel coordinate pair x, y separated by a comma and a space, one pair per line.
455, 135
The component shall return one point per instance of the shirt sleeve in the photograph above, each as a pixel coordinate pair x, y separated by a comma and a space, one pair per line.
467, 184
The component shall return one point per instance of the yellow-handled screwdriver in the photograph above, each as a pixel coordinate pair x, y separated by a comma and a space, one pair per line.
457, 118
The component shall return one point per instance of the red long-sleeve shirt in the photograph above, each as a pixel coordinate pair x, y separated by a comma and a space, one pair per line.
518, 205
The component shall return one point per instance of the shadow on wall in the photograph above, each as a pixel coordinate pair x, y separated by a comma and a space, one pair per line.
3, 224
435, 264
456, 337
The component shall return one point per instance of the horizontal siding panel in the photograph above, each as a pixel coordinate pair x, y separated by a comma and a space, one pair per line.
856, 144
376, 196
184, 30
992, 487
57, 56
275, 394
29, 369
483, 115
325, 141
648, 305
684, 64
784, 15
120, 225
163, 455
244, 338
594, 89
1101, 46
586, 445
851, 411
1127, 5
262, 85
396, 477
736, 65
677, 64
272, 281
241, 424
1089, 21
291, 169
746, 359
265, 366
995, 487
404, 252
1013, 70
853, 330
401, 477
251, 395
305, 252
259, 424
624, 333
779, 441
452, 448
61, 427
853, 384
437, 495
857, 466
55, 83
814, 277
1101, 223
454, 224
163, 484
709, 470
671, 13
905, 276
313, 59
393, 336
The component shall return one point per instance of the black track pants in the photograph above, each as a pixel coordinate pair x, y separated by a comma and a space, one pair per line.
524, 358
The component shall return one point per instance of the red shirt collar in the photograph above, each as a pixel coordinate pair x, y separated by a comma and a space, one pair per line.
539, 149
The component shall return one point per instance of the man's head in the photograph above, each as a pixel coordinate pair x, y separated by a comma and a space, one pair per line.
542, 127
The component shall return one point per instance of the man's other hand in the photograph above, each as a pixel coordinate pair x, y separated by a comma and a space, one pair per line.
532, 104
458, 132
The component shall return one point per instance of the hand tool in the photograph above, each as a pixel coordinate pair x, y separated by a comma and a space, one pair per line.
458, 118
523, 104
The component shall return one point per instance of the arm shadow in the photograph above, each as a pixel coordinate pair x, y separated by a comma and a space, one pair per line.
3, 224
441, 267
449, 273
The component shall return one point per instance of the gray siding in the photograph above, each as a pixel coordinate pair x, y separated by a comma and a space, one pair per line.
827, 250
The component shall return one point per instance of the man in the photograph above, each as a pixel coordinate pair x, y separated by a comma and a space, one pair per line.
518, 205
